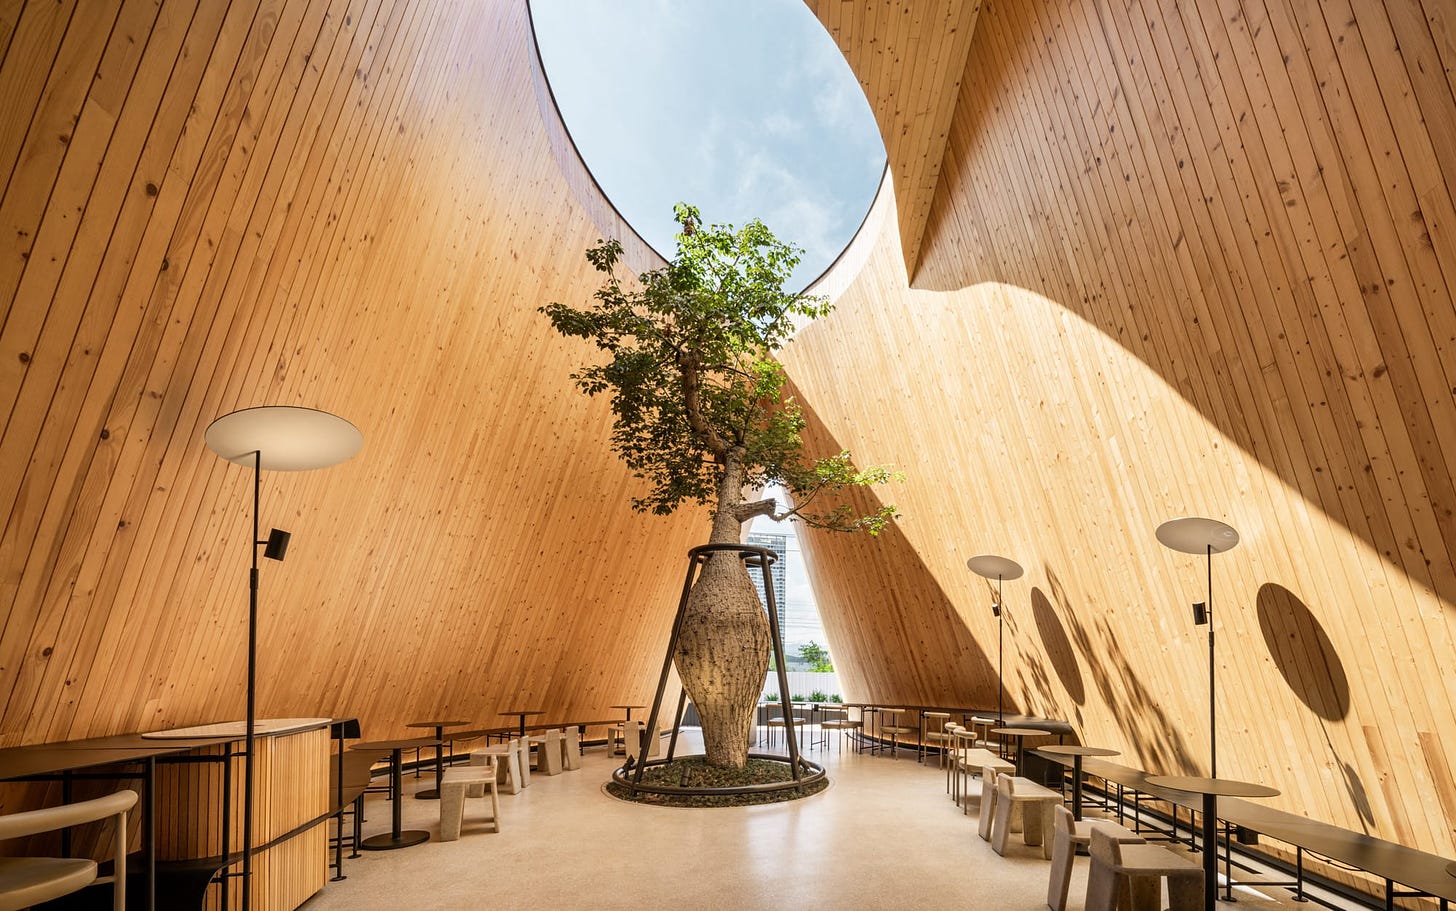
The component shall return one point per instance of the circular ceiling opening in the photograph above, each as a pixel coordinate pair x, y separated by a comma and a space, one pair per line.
745, 111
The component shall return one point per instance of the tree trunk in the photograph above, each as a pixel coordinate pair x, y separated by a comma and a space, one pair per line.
723, 647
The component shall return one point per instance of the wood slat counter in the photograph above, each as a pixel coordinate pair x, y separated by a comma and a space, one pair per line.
290, 798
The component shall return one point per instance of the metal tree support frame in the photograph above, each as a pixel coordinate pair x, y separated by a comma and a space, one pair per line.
804, 771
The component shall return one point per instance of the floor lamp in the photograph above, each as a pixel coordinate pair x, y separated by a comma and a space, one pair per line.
999, 568
1197, 535
278, 438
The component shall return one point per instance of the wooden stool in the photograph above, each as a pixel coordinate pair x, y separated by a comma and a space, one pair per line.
1067, 834
935, 729
895, 729
843, 724
455, 786
1122, 870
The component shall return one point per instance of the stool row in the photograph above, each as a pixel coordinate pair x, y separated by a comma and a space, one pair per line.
1126, 872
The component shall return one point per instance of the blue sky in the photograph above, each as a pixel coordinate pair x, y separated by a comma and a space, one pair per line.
745, 109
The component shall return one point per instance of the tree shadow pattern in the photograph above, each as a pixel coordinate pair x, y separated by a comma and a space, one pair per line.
1159, 745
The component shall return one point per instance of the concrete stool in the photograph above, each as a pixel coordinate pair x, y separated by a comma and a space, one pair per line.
523, 756
548, 753
1035, 803
1067, 834
506, 757
988, 800
455, 786
1120, 871
571, 750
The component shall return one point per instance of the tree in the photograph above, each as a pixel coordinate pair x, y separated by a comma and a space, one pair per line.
700, 416
817, 657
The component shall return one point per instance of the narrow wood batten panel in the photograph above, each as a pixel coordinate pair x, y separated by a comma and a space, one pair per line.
1184, 259
352, 205
909, 57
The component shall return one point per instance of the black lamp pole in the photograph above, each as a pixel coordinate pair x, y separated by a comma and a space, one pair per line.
1212, 717
1000, 655
252, 690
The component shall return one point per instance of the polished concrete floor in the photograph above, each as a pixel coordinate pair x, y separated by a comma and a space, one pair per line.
884, 833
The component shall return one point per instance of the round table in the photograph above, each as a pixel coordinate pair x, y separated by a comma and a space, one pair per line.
439, 726
628, 709
1211, 789
522, 715
394, 838
1076, 751
1020, 734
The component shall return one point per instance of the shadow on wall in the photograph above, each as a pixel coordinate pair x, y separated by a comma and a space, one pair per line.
1058, 647
886, 616
1307, 660
1150, 733
1303, 652
1033, 681
973, 236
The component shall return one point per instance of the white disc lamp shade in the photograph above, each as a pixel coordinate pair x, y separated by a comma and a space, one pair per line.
1197, 535
289, 438
994, 567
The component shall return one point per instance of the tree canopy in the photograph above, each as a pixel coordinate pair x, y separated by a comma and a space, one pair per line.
696, 392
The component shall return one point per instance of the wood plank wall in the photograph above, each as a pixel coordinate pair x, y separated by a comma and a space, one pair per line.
909, 56
1184, 259
1181, 259
346, 204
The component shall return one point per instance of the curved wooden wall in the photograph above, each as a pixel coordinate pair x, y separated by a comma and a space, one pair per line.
352, 205
1183, 259
1178, 260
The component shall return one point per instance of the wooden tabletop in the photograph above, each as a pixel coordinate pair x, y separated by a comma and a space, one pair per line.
1022, 732
1073, 749
435, 724
1219, 787
536, 712
54, 758
610, 707
407, 743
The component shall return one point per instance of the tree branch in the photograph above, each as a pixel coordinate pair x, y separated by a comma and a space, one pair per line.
687, 367
745, 511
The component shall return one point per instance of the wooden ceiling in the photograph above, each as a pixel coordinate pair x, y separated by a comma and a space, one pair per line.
1167, 259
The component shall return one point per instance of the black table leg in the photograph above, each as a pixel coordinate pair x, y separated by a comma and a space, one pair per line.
339, 819
149, 834
434, 793
395, 838
1077, 788
1210, 851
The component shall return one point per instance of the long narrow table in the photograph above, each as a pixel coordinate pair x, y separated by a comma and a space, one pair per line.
69, 760
1393, 863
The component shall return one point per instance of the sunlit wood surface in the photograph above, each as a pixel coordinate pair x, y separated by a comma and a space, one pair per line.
1166, 259
1184, 259
354, 206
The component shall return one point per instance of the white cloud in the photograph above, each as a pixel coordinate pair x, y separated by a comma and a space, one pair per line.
721, 105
